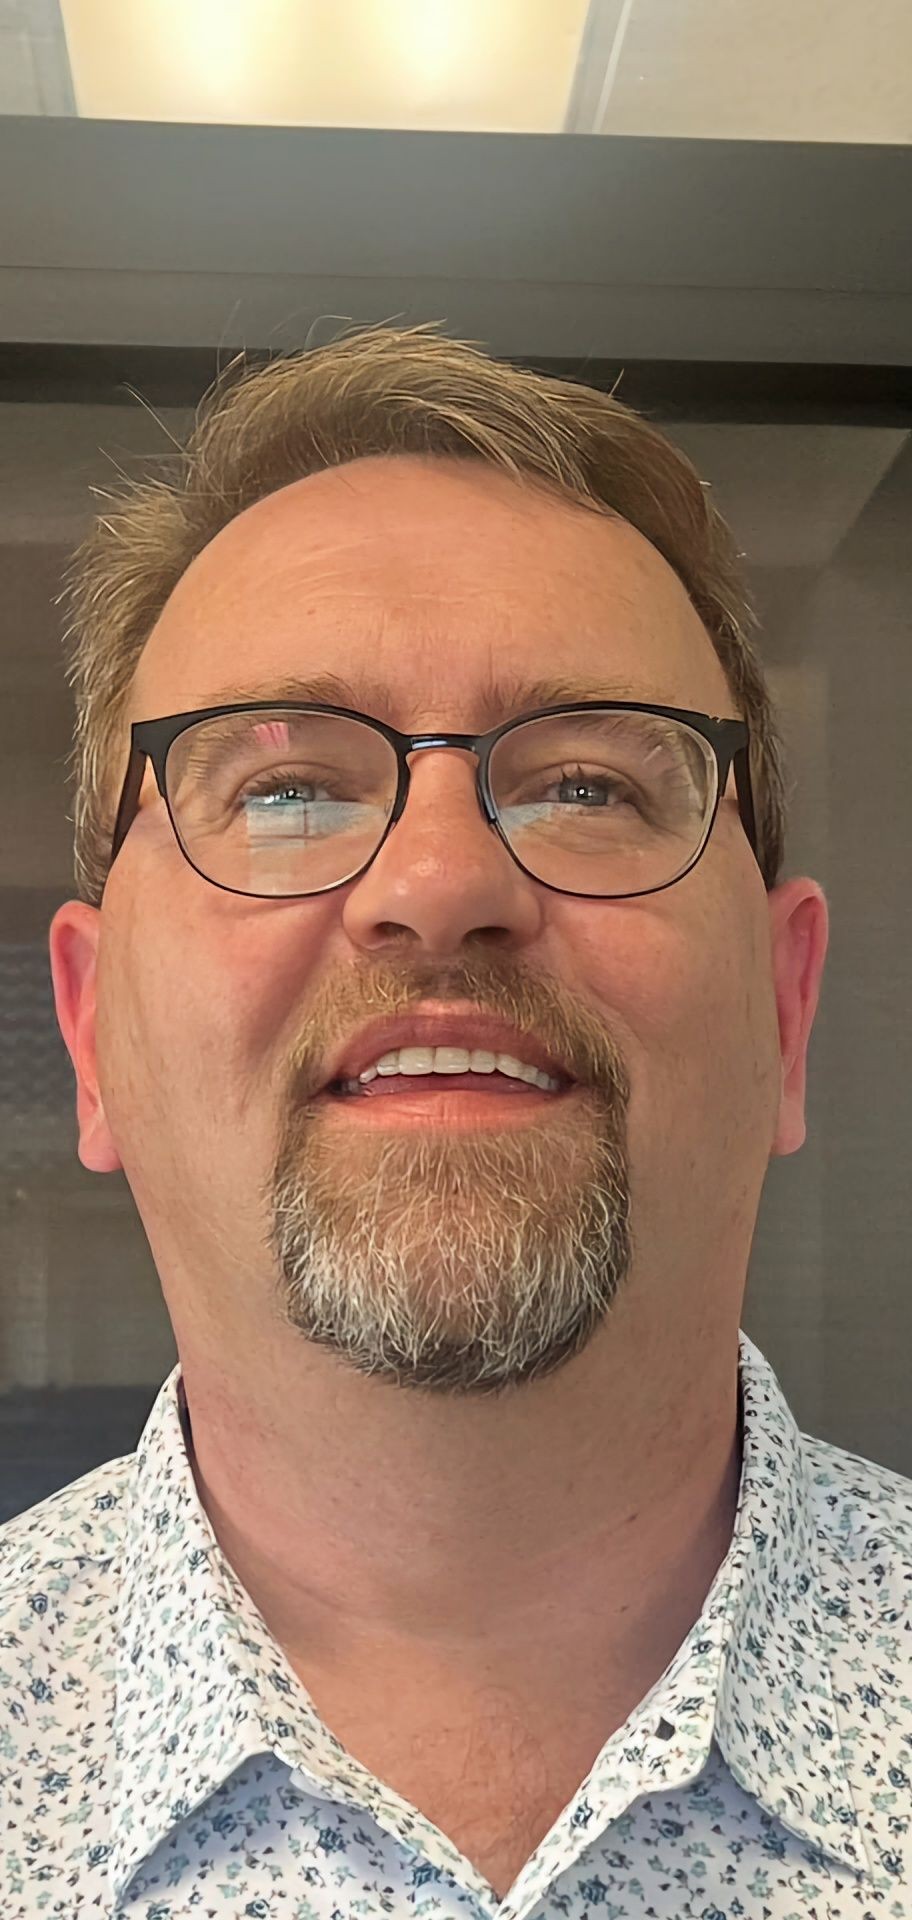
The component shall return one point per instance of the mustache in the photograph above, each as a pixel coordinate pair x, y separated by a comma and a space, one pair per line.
573, 1033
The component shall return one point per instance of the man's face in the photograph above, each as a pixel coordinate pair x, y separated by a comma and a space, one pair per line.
449, 1257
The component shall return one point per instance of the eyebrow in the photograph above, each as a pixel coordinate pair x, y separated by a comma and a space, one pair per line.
497, 698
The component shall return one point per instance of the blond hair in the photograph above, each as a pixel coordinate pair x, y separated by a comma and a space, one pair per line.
387, 391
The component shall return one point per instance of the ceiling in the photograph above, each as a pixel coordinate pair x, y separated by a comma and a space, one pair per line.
713, 69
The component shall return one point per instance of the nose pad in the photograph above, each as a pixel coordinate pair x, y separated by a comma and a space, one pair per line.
472, 767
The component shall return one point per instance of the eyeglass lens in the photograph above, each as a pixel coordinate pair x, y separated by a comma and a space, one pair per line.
282, 803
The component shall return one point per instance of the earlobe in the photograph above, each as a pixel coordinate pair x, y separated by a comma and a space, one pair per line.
73, 946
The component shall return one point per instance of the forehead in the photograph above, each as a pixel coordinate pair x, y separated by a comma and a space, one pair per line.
421, 579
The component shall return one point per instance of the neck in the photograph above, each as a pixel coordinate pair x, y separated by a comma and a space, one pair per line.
590, 1510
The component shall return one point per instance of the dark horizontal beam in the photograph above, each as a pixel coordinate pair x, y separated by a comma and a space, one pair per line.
670, 389
501, 206
568, 246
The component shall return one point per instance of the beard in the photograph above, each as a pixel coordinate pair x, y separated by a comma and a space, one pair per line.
452, 1261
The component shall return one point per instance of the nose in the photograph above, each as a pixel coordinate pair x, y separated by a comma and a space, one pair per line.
443, 872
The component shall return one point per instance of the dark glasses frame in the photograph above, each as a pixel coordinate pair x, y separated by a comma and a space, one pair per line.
152, 739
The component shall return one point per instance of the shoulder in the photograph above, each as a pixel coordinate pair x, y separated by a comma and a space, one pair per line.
60, 1569
66, 1542
862, 1514
850, 1493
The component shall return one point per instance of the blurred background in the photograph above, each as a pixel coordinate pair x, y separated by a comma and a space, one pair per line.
705, 201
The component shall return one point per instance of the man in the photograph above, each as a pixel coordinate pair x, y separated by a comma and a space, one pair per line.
470, 1554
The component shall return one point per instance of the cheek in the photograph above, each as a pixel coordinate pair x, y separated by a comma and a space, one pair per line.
130, 1031
172, 1025
242, 990
708, 1069
675, 996
643, 973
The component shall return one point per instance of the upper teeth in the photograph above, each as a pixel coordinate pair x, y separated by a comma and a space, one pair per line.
456, 1060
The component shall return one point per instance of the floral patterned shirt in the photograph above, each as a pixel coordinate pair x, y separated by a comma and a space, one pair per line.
159, 1759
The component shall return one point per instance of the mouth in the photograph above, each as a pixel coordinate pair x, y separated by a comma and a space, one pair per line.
468, 1099
402, 1083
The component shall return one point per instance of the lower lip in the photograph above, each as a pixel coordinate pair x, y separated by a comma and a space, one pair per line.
460, 1101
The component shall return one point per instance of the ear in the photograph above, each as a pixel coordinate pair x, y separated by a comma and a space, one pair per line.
74, 936
799, 930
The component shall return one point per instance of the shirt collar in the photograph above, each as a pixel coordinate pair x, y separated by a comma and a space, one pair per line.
200, 1679
777, 1722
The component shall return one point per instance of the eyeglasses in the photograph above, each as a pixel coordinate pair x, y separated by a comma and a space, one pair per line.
283, 801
